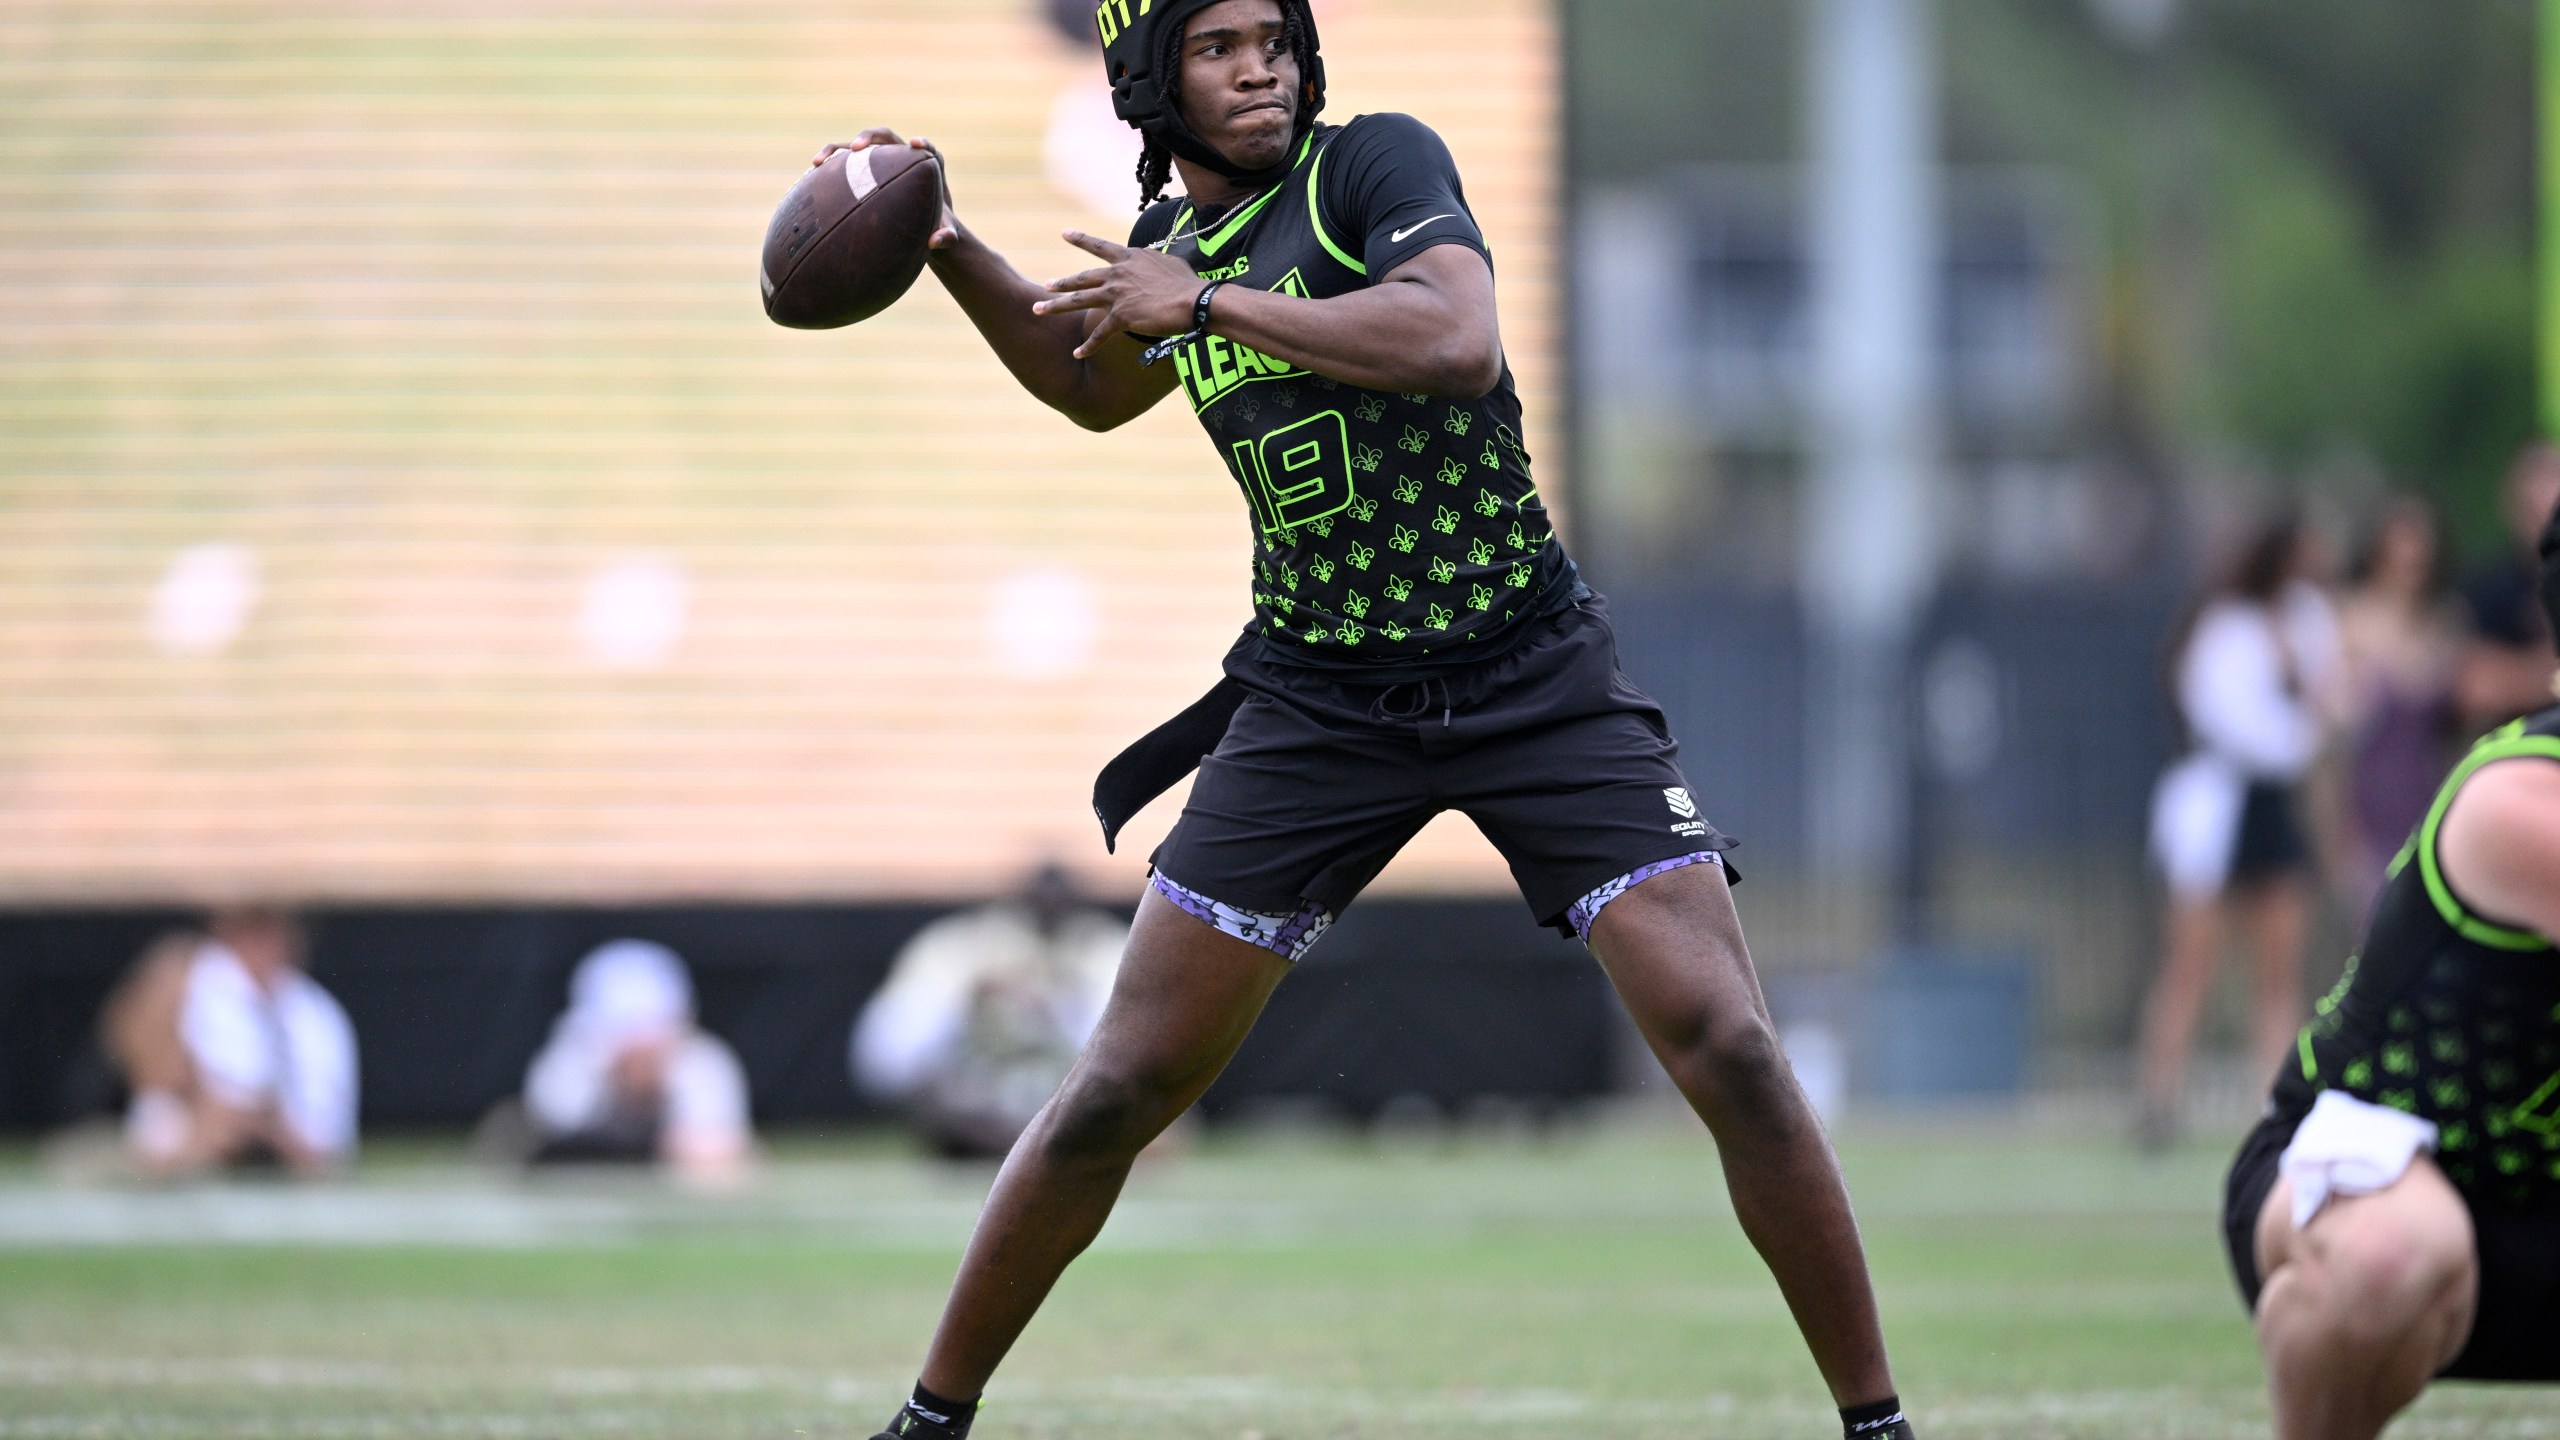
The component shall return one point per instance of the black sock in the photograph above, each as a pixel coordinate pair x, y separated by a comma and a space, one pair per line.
927, 1416
1879, 1421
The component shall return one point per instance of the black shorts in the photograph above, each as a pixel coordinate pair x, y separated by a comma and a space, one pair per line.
2515, 1334
1565, 766
2270, 844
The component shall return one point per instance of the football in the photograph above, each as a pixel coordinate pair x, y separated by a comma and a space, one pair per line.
850, 237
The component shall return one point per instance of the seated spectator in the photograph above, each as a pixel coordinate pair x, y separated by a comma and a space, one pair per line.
627, 1075
984, 1011
232, 1054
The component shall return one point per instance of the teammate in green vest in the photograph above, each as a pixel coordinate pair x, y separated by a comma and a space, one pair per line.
2396, 1215
1324, 301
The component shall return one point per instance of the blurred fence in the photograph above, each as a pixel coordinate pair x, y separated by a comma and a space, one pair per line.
1441, 1003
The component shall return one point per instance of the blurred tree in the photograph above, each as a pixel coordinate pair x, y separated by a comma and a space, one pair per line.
1657, 83
2317, 214
2346, 185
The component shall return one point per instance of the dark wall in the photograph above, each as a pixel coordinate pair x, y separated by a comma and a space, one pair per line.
2083, 716
1447, 999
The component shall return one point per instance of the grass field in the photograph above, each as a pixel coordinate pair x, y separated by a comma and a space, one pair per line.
1281, 1287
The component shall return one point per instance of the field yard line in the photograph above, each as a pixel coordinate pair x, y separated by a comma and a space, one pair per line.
282, 1373
1201, 1392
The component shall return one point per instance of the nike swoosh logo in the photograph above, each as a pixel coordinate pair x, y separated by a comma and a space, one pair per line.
1398, 237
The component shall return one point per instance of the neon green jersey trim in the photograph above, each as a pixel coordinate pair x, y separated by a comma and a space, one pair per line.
1315, 217
2506, 743
1228, 228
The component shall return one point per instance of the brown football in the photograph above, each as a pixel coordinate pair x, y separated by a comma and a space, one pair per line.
850, 237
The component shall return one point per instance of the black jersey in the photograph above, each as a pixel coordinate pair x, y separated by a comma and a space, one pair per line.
2450, 1015
1390, 530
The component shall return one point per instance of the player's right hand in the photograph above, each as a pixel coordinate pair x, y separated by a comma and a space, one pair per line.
943, 234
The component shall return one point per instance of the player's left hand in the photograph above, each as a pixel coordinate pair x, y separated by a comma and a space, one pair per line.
1140, 292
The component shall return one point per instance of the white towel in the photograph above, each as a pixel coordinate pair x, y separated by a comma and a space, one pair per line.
2347, 1147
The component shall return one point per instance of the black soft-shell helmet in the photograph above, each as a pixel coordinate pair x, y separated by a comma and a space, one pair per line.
1139, 42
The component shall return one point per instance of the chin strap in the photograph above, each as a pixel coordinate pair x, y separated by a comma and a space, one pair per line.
1177, 137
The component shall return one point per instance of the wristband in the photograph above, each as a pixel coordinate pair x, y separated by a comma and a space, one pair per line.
1199, 328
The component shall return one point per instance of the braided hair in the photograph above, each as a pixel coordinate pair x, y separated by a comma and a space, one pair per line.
1155, 171
1155, 162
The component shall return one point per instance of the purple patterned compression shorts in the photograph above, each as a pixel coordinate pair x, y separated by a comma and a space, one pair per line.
1291, 936
1582, 912
1287, 936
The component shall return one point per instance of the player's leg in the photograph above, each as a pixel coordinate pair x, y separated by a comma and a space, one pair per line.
2278, 917
2363, 1306
1185, 997
1672, 945
2169, 1018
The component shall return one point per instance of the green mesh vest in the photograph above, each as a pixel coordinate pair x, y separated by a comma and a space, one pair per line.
2449, 1015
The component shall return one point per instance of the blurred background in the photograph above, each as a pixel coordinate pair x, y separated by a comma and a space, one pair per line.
465, 673
407, 519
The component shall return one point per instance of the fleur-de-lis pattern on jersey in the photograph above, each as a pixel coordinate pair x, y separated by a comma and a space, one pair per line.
1352, 552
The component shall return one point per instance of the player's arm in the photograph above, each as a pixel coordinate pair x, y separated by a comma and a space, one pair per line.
1098, 385
1389, 203
2500, 844
1427, 328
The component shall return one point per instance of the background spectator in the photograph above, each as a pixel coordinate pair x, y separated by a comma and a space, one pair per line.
2401, 644
984, 1011
2257, 682
627, 1075
231, 1053
2506, 667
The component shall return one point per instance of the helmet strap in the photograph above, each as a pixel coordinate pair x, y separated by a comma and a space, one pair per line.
1176, 135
